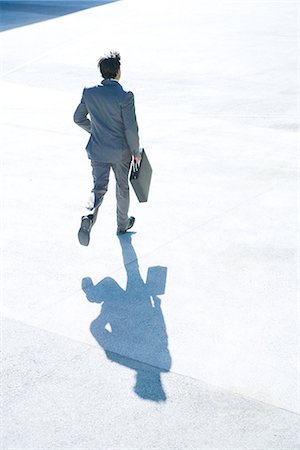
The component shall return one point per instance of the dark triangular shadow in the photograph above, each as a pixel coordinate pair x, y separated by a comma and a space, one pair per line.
15, 14
131, 327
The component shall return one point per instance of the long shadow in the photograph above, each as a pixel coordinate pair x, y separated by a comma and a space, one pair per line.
15, 14
131, 322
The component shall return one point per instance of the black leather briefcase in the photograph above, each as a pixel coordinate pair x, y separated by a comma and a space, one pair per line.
140, 178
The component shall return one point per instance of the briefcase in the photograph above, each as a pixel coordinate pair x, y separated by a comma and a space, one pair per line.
140, 178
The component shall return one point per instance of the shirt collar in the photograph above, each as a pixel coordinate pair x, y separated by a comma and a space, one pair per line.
110, 81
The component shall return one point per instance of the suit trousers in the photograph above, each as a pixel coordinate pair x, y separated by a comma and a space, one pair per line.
101, 172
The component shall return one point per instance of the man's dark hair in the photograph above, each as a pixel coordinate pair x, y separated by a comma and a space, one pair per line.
109, 65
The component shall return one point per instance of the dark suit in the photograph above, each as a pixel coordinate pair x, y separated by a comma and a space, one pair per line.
114, 140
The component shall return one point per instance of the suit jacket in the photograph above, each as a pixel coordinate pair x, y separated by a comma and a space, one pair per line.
111, 123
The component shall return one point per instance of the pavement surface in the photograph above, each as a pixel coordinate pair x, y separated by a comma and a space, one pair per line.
183, 333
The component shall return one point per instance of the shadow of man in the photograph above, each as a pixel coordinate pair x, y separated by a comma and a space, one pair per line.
131, 322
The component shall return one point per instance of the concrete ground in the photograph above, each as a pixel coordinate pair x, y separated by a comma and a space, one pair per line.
185, 332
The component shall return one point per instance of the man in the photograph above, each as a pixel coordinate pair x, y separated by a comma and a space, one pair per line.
113, 143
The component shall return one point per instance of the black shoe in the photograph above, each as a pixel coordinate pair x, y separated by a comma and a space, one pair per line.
85, 229
130, 225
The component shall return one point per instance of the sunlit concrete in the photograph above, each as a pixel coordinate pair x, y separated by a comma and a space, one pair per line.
215, 85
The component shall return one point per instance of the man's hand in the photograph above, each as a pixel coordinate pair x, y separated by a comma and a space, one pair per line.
137, 159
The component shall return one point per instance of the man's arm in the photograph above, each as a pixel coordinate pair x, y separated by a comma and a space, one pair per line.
130, 125
80, 116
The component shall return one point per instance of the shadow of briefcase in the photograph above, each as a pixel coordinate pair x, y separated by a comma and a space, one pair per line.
140, 178
156, 280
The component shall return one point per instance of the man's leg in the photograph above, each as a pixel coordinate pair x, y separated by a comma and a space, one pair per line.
121, 171
100, 172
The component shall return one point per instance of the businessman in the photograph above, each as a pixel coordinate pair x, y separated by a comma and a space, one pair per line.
107, 112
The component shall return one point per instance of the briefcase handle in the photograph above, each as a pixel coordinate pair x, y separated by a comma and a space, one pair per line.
136, 166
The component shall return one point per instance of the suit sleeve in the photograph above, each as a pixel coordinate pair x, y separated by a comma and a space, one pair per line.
80, 116
130, 123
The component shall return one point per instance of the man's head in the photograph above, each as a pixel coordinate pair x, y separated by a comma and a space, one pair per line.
110, 65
